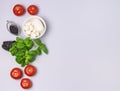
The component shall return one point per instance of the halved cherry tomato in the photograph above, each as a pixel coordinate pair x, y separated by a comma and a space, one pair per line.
18, 9
26, 83
30, 70
16, 73
32, 9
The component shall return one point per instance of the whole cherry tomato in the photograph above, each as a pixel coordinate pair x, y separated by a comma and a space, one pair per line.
32, 9
26, 83
18, 9
16, 73
30, 70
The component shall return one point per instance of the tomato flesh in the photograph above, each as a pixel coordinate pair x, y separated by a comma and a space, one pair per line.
30, 70
16, 73
26, 83
18, 10
32, 9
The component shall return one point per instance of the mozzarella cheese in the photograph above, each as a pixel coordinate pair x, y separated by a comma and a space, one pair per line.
34, 28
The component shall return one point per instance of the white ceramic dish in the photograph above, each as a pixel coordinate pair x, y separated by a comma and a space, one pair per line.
38, 27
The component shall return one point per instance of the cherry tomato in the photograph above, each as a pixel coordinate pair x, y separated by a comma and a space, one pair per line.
16, 73
18, 9
26, 83
30, 70
32, 9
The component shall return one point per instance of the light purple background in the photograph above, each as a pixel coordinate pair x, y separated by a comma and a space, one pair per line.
83, 38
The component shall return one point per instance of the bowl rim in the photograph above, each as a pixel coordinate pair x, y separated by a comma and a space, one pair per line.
34, 17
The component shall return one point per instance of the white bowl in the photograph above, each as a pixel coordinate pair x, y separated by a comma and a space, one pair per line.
34, 27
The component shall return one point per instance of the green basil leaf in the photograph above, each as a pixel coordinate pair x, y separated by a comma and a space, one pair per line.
44, 48
19, 40
38, 41
28, 42
20, 45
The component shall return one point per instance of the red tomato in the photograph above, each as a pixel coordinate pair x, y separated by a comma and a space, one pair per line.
16, 73
26, 83
32, 9
18, 9
30, 70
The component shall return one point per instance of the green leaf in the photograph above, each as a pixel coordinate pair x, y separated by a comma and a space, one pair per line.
20, 53
23, 63
19, 40
28, 42
38, 51
13, 47
38, 41
21, 49
32, 52
13, 50
20, 45
14, 44
19, 60
44, 48
30, 58
26, 62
